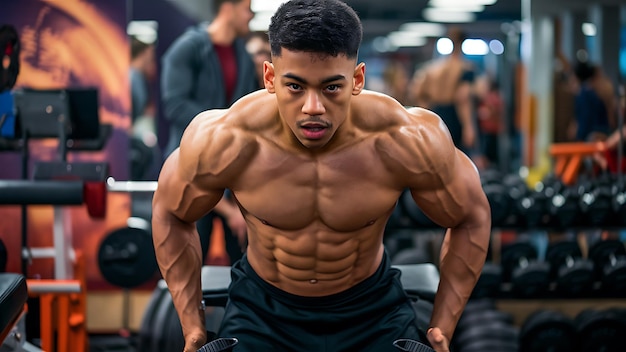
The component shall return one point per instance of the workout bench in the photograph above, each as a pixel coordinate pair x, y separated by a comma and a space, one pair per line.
13, 297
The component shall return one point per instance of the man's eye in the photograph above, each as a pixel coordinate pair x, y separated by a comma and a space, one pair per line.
332, 88
294, 86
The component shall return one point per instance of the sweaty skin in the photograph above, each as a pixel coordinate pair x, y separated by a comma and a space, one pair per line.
316, 165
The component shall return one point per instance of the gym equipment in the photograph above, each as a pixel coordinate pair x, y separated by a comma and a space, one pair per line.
528, 276
596, 200
600, 330
3, 257
126, 257
609, 257
13, 296
10, 49
488, 284
572, 273
499, 202
219, 345
161, 330
411, 346
414, 212
482, 326
564, 207
548, 330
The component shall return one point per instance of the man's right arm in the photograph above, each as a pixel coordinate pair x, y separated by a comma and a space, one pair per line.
177, 204
177, 82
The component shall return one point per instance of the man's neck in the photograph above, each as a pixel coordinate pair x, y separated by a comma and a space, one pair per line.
221, 33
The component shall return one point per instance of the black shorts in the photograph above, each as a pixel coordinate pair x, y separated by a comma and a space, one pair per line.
366, 317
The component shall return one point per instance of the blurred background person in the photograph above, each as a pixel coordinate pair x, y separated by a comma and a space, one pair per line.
208, 67
258, 46
445, 87
592, 116
490, 115
144, 151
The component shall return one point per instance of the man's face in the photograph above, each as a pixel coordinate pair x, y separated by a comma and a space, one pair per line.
313, 92
241, 16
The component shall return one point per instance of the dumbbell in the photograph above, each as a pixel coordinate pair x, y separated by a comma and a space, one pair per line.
488, 329
535, 206
220, 345
596, 200
572, 274
528, 276
548, 330
564, 207
600, 330
489, 281
619, 203
411, 346
609, 258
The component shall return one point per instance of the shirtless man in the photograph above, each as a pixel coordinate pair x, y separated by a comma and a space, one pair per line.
444, 86
316, 164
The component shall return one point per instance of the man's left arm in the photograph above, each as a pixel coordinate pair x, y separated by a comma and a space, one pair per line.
459, 204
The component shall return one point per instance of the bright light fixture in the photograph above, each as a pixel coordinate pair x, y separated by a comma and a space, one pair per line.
265, 5
444, 46
406, 39
496, 47
589, 29
435, 15
261, 21
425, 29
452, 3
474, 47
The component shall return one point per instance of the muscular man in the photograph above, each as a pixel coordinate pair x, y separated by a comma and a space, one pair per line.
316, 164
444, 87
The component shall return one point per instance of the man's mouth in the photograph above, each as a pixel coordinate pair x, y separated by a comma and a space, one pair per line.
313, 130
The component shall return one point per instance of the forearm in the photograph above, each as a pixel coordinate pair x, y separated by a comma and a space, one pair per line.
464, 110
178, 252
463, 256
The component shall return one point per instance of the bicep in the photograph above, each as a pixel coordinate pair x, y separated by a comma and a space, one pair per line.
180, 196
453, 199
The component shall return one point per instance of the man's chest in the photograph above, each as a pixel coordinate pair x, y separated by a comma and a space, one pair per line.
345, 191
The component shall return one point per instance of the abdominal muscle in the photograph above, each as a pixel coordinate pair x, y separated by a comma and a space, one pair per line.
314, 261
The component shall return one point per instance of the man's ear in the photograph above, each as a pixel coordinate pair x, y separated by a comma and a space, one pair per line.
358, 79
268, 77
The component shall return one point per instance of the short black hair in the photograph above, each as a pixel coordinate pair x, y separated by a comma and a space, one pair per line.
329, 27
584, 70
217, 4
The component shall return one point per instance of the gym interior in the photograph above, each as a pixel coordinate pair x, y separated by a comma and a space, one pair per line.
77, 264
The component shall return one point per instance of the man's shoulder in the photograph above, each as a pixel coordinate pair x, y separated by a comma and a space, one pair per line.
380, 112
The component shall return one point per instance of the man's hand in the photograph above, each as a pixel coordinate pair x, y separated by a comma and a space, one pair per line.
469, 136
437, 340
194, 341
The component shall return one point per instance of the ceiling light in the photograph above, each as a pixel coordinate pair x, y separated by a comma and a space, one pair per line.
404, 39
434, 15
265, 5
261, 21
425, 29
452, 3
461, 8
589, 29
474, 47
444, 46
496, 47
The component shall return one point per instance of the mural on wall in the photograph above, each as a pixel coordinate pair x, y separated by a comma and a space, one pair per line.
71, 44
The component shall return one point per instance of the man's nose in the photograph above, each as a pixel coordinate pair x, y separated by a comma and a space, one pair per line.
313, 104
